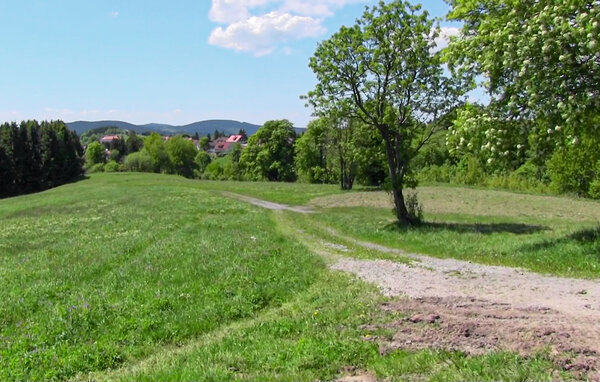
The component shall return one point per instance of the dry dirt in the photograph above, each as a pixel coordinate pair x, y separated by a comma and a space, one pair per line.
456, 305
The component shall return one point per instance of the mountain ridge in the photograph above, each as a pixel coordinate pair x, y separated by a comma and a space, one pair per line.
201, 127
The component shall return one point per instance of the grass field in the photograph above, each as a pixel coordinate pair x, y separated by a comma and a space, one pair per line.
154, 277
545, 234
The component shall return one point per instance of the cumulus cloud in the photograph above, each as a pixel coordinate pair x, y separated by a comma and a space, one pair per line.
260, 26
444, 38
261, 34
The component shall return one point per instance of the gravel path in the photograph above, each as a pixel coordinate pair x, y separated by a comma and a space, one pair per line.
433, 277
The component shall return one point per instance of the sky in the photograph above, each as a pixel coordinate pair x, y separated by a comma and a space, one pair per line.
158, 61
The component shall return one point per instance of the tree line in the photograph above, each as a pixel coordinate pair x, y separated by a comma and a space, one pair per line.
37, 156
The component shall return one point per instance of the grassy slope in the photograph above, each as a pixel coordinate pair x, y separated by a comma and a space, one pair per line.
156, 278
102, 270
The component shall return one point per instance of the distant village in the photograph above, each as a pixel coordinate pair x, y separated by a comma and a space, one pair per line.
219, 146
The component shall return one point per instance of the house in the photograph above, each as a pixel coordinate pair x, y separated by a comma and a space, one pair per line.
108, 139
235, 139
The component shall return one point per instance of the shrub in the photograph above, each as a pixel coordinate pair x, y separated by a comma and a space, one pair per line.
469, 171
115, 155
573, 168
111, 166
435, 174
214, 171
98, 167
139, 162
415, 209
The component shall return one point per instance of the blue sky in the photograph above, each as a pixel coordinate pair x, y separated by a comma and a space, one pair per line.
146, 61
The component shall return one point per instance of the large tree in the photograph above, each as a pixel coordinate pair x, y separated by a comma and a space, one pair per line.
270, 153
387, 68
182, 153
540, 60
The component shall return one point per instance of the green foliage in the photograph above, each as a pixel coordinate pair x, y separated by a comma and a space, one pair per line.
469, 171
202, 160
111, 166
133, 142
94, 154
500, 144
115, 155
139, 162
573, 169
204, 143
35, 157
540, 58
402, 96
182, 152
98, 167
215, 170
270, 153
154, 146
311, 153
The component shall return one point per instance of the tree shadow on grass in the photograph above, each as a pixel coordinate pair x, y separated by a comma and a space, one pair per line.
588, 239
479, 228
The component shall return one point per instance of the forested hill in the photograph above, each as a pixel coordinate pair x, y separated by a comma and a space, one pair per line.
202, 127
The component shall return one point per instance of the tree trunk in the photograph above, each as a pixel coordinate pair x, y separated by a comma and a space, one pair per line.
397, 180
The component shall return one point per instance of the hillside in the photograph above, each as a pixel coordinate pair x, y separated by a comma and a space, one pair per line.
202, 127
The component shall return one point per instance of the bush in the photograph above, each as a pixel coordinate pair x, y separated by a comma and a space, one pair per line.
469, 171
139, 162
115, 155
435, 174
415, 209
573, 169
98, 167
214, 171
111, 166
594, 191
202, 160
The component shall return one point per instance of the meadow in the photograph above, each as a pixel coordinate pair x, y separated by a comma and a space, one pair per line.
155, 277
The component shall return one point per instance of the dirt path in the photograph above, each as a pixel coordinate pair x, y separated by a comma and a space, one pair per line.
267, 204
475, 308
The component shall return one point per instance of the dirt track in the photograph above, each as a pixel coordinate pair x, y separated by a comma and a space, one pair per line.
475, 308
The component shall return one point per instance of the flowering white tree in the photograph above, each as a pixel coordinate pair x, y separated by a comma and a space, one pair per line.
541, 60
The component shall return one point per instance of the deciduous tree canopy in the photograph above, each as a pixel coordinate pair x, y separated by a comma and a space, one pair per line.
386, 68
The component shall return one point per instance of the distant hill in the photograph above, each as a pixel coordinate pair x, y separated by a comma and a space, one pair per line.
202, 127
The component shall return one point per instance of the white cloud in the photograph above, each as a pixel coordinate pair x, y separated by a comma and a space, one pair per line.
316, 7
231, 11
113, 14
261, 34
444, 38
273, 22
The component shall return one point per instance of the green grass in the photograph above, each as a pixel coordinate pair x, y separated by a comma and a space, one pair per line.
553, 235
104, 270
287, 193
154, 277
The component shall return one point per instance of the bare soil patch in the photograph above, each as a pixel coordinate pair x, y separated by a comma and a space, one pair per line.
477, 326
456, 305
